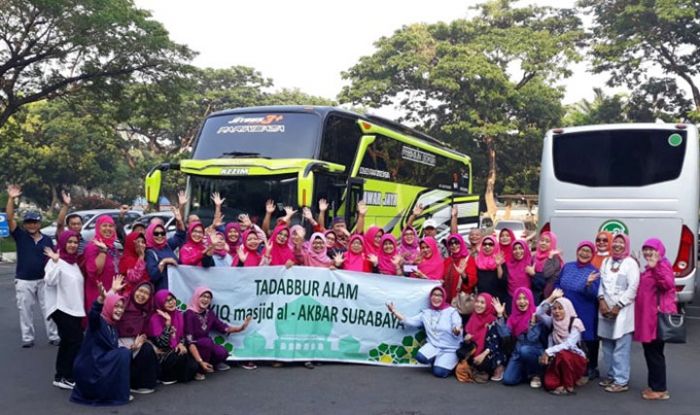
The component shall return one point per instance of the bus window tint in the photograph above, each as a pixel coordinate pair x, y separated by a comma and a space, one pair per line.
341, 137
392, 160
619, 157
271, 135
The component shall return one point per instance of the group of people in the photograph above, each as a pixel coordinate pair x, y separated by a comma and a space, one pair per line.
559, 313
120, 329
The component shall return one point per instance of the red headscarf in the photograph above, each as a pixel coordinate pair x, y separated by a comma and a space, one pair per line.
280, 253
478, 324
129, 257
507, 248
487, 262
370, 247
433, 267
517, 277
62, 242
150, 240
463, 248
98, 231
519, 321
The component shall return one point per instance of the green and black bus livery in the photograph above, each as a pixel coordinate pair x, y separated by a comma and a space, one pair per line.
297, 155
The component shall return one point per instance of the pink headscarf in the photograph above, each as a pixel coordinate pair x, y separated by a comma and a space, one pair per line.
517, 277
487, 262
232, 246
463, 248
433, 267
150, 240
626, 252
519, 321
478, 324
194, 300
108, 308
444, 303
590, 245
191, 252
98, 231
409, 251
220, 252
353, 261
506, 249
370, 247
254, 257
280, 253
659, 247
386, 266
560, 331
157, 323
541, 256
317, 259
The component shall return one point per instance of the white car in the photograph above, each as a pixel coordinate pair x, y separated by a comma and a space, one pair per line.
517, 226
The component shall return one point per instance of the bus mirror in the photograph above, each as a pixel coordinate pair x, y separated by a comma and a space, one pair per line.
153, 181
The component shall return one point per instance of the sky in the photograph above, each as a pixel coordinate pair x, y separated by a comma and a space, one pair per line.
306, 44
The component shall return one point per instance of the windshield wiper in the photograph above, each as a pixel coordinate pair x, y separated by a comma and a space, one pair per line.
243, 154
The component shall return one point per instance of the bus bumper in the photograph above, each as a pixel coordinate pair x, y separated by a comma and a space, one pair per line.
685, 287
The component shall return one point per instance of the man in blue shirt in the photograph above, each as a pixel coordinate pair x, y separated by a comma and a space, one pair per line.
29, 275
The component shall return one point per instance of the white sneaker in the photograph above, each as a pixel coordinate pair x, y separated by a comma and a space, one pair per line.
131, 398
535, 382
142, 391
221, 367
63, 384
168, 382
199, 376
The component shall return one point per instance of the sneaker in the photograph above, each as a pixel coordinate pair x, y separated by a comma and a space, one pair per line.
63, 383
28, 345
55, 342
168, 382
498, 374
309, 365
535, 382
131, 398
249, 366
199, 376
650, 395
222, 367
606, 382
142, 391
616, 388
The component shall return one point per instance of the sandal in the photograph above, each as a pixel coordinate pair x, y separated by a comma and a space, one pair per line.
606, 382
582, 381
535, 382
560, 391
616, 388
651, 395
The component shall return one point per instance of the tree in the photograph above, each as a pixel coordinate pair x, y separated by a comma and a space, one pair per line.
633, 39
475, 82
50, 48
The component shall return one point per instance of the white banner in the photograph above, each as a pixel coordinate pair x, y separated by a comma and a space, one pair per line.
304, 313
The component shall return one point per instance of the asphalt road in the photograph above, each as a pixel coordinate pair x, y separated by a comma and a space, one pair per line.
25, 386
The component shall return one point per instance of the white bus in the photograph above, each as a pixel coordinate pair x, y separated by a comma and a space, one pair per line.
640, 179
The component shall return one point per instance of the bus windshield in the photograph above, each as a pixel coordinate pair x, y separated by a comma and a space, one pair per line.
259, 135
244, 195
620, 158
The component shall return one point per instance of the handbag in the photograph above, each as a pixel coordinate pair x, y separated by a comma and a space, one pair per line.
670, 327
463, 302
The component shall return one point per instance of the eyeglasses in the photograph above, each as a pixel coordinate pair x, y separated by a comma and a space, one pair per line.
487, 243
158, 233
601, 240
169, 299
453, 242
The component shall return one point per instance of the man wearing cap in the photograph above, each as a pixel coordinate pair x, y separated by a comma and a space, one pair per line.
29, 275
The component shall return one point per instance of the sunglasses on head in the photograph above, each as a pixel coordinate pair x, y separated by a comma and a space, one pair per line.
159, 233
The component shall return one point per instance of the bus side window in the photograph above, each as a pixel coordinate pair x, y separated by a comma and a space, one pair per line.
341, 136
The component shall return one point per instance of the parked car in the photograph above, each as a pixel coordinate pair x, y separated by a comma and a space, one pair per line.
166, 216
90, 220
517, 226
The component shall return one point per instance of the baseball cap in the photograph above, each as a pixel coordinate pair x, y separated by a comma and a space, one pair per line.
430, 223
32, 217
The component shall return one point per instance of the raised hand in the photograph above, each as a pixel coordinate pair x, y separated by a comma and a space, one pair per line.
417, 209
530, 270
166, 316
556, 294
362, 207
14, 191
103, 293
245, 220
498, 306
553, 253
338, 259
391, 307
217, 199
307, 213
462, 266
118, 283
455, 211
270, 206
242, 254
500, 259
66, 198
182, 198
322, 205
592, 277
176, 213
373, 259
289, 211
99, 244
51, 254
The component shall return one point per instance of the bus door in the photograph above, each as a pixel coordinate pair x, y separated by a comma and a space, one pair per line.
353, 194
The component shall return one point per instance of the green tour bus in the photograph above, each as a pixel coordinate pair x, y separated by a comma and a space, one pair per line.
297, 155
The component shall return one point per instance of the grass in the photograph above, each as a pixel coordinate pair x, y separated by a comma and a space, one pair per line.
7, 245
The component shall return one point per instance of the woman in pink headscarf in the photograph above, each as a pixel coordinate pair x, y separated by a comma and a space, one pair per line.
460, 268
315, 254
488, 357
279, 251
491, 271
247, 255
101, 259
506, 238
408, 245
373, 240
656, 293
195, 249
519, 260
546, 266
432, 265
443, 329
388, 262
199, 322
355, 258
